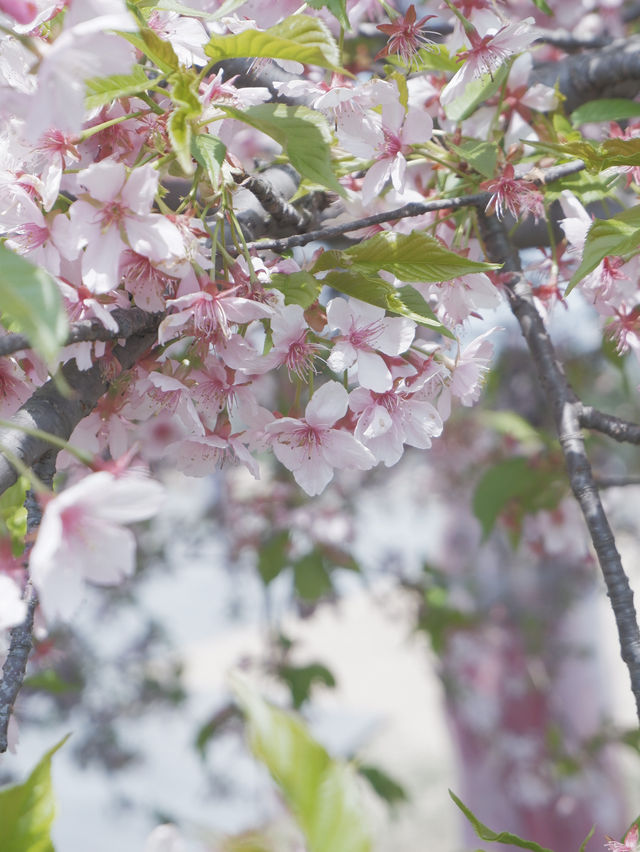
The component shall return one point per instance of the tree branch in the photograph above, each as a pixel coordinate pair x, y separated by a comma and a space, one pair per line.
130, 321
21, 637
620, 430
567, 411
50, 411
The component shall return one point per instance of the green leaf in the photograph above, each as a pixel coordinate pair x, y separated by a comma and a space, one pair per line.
586, 186
516, 427
617, 236
607, 109
476, 92
180, 133
481, 156
13, 515
300, 38
410, 257
30, 303
311, 578
209, 152
303, 133
435, 57
321, 792
384, 785
103, 90
27, 810
485, 833
338, 9
50, 681
620, 152
544, 7
184, 93
273, 556
299, 288
301, 679
370, 288
530, 483
159, 51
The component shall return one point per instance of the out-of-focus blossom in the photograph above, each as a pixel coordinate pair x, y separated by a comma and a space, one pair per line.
81, 537
13, 609
631, 843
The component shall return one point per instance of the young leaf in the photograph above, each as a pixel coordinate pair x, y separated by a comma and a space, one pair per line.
299, 288
160, 52
617, 236
321, 792
300, 38
27, 810
485, 833
410, 257
607, 109
179, 128
476, 93
481, 156
338, 9
311, 578
209, 152
384, 785
103, 90
544, 7
30, 302
303, 133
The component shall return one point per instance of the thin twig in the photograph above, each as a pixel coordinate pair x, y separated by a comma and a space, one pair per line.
414, 208
617, 481
567, 410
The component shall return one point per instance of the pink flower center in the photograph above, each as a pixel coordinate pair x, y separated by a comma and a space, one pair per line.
30, 236
392, 143
363, 337
113, 213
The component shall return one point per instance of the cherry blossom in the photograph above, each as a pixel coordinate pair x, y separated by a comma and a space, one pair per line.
406, 35
520, 197
487, 53
81, 537
311, 448
386, 140
631, 843
115, 204
366, 332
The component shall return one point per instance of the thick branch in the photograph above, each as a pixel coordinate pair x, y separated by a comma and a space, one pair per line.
50, 411
21, 637
130, 321
567, 411
611, 72
620, 430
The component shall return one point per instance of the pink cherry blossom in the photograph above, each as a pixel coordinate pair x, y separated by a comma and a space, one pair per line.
630, 843
311, 448
519, 197
117, 205
386, 140
406, 35
22, 11
81, 537
366, 332
487, 53
387, 421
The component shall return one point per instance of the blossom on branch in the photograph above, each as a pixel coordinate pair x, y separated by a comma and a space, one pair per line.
311, 448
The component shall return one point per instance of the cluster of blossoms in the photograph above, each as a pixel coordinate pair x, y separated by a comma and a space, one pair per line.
104, 103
